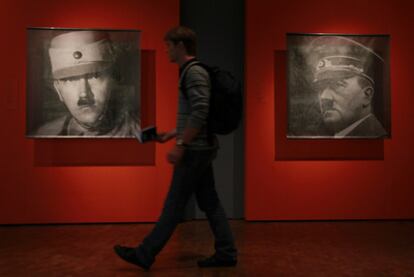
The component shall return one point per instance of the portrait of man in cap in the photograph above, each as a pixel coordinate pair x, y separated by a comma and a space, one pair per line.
83, 83
338, 86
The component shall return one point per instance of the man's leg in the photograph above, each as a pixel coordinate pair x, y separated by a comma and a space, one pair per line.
182, 186
209, 203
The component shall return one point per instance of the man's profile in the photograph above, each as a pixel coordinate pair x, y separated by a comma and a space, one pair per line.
338, 88
86, 78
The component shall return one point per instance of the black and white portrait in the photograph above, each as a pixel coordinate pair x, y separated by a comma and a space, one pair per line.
338, 86
82, 83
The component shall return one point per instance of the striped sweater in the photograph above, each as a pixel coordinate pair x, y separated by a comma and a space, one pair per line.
193, 105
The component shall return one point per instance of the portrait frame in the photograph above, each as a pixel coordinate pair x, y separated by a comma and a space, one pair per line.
312, 55
120, 114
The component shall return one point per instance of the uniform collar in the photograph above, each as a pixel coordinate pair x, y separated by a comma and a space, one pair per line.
351, 127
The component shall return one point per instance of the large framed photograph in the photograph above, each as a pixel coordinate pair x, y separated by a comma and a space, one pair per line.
338, 86
82, 83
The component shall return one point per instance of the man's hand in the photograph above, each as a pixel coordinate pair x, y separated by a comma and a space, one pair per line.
175, 155
166, 136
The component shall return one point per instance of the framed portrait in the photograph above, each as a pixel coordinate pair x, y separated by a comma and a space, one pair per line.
338, 86
82, 83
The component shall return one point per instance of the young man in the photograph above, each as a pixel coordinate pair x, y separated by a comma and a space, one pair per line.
192, 158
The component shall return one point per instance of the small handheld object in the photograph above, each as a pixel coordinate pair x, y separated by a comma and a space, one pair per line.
147, 134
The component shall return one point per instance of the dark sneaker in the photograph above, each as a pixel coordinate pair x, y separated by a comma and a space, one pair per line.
128, 254
213, 261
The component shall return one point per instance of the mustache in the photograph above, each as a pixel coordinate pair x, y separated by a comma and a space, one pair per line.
326, 104
86, 101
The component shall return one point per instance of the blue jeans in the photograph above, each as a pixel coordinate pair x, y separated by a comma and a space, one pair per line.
194, 174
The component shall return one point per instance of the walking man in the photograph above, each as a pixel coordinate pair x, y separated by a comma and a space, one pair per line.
192, 158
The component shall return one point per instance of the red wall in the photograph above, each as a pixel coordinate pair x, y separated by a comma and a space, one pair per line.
42, 181
351, 179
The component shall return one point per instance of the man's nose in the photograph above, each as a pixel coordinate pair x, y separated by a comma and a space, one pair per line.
326, 93
84, 87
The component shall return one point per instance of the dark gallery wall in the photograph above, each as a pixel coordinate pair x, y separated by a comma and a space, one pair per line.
220, 32
322, 179
93, 180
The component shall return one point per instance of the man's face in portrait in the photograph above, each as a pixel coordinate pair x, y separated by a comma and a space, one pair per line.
86, 96
81, 66
343, 101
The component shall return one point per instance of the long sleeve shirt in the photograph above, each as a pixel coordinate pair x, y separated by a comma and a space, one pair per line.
193, 102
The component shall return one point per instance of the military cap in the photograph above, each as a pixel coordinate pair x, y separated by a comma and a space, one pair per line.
77, 53
340, 56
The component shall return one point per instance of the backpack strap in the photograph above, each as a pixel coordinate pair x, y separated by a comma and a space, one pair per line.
184, 75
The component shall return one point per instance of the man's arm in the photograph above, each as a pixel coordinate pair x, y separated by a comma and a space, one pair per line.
189, 134
166, 136
175, 155
197, 87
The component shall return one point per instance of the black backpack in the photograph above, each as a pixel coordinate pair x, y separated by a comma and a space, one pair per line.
226, 101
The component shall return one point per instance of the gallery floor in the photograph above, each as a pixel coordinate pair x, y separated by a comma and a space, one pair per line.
327, 248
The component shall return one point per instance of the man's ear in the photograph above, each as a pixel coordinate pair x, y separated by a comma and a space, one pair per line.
368, 95
56, 86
